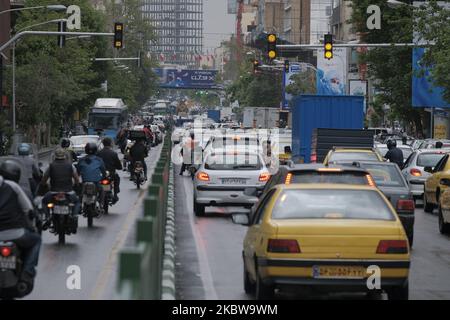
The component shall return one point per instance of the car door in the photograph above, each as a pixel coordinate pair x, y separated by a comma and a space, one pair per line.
254, 235
433, 182
406, 166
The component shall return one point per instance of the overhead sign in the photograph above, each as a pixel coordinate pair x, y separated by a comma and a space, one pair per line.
187, 79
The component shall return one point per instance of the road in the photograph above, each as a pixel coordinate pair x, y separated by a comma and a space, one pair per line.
209, 264
93, 250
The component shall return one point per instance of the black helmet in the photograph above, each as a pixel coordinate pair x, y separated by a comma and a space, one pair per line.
24, 149
107, 142
90, 148
65, 142
10, 170
391, 143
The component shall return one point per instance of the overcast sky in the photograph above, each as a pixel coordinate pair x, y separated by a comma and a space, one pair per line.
217, 24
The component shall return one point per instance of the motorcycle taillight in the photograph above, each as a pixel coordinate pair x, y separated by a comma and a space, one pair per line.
60, 197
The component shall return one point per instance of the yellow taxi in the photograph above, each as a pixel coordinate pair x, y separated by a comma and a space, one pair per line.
434, 187
346, 155
444, 208
328, 237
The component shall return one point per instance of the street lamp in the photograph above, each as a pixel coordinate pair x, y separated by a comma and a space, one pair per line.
14, 67
395, 3
52, 7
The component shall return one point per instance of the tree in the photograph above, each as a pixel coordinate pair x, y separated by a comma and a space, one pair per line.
302, 82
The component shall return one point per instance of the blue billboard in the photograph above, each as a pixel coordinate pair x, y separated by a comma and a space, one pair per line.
424, 94
186, 79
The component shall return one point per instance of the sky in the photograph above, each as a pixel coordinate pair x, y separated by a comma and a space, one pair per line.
217, 25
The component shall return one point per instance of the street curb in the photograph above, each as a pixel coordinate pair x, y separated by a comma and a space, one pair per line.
168, 272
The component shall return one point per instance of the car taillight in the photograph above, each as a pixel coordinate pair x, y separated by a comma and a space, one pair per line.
405, 205
313, 158
202, 176
392, 246
263, 177
50, 205
283, 246
288, 178
370, 180
5, 251
105, 182
415, 172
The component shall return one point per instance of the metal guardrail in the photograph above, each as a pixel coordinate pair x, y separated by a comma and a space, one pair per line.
141, 266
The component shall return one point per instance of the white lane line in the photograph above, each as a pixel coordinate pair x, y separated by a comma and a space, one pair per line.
205, 269
110, 266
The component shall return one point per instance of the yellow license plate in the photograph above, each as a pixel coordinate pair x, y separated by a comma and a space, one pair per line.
338, 272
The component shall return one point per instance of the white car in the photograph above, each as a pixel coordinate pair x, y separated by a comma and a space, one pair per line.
224, 176
77, 143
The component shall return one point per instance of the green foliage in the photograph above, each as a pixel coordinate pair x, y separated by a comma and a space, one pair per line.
302, 82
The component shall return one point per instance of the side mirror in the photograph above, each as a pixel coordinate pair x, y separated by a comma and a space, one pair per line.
287, 149
445, 182
251, 192
241, 218
428, 169
176, 142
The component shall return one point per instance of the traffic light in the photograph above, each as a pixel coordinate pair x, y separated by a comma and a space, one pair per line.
328, 46
286, 66
256, 64
271, 46
118, 35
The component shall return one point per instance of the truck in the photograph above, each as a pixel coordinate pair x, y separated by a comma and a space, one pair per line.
214, 115
259, 117
311, 112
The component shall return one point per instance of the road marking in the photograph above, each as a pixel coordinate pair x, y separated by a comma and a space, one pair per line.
205, 269
109, 267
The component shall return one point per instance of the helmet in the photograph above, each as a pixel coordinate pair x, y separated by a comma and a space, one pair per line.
10, 170
191, 133
107, 142
65, 142
60, 154
90, 148
391, 143
24, 149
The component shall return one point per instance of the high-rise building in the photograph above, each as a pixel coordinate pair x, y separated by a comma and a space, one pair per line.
321, 11
179, 29
297, 21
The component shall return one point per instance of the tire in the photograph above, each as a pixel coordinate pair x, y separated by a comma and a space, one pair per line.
444, 228
61, 231
90, 218
105, 206
399, 293
249, 286
199, 209
263, 291
427, 207
411, 239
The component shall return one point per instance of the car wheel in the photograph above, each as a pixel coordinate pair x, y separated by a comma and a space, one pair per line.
263, 291
411, 239
399, 293
249, 286
427, 207
199, 209
444, 228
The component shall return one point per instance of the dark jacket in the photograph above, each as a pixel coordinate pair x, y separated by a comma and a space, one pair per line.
91, 168
138, 152
111, 159
14, 206
395, 155
60, 173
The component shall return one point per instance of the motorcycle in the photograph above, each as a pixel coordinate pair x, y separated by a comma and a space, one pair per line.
138, 174
11, 267
90, 202
62, 222
40, 214
107, 184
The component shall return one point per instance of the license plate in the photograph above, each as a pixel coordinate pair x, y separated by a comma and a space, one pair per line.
61, 210
336, 272
106, 187
8, 262
234, 181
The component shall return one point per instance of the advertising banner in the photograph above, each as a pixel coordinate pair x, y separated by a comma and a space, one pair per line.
186, 79
358, 88
293, 69
332, 74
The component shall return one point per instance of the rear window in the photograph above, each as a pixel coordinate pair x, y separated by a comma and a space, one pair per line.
353, 156
221, 143
331, 204
385, 175
227, 161
429, 159
329, 177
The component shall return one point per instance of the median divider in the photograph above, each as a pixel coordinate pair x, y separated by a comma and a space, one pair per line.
147, 269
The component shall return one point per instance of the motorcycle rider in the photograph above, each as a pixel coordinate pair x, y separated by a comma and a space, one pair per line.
187, 152
32, 175
139, 152
63, 176
71, 155
394, 154
112, 163
91, 168
15, 212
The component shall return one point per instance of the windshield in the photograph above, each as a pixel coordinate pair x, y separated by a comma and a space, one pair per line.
83, 140
240, 161
353, 156
385, 175
429, 159
329, 177
331, 204
103, 121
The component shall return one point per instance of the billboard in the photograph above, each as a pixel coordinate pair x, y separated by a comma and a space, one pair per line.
332, 74
186, 79
358, 88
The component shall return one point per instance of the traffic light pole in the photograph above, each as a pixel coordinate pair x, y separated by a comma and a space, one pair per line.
349, 45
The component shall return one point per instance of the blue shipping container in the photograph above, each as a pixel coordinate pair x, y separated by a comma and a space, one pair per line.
312, 111
214, 115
